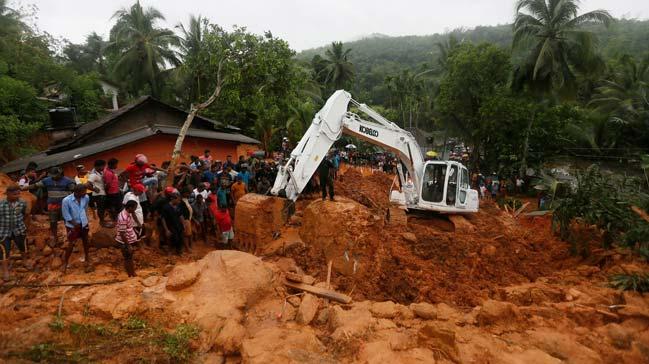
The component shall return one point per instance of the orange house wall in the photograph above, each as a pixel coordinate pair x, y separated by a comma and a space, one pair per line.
158, 149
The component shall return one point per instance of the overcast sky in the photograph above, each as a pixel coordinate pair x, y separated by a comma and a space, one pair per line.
306, 23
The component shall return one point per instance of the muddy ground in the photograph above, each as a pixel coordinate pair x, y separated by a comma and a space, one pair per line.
488, 288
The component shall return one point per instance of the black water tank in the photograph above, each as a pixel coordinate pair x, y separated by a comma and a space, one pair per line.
62, 118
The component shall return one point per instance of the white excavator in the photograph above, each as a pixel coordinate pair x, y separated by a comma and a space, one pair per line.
440, 186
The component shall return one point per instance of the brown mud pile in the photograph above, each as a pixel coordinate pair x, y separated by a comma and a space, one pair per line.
372, 190
426, 261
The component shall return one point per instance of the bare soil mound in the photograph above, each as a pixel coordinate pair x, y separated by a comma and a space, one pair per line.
424, 262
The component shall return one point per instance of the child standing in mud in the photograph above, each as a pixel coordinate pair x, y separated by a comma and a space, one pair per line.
126, 235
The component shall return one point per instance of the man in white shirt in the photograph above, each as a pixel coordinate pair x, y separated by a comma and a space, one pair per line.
98, 198
134, 195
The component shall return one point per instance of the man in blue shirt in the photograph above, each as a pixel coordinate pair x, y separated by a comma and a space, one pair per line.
76, 223
245, 175
336, 162
57, 186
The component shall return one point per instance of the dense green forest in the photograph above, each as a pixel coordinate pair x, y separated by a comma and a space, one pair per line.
567, 84
378, 55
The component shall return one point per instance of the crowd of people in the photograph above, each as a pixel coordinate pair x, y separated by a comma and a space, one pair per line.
190, 202
493, 186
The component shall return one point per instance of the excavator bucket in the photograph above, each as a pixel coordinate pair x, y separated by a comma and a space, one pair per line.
258, 220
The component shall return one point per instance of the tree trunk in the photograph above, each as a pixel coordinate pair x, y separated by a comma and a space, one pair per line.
195, 109
526, 145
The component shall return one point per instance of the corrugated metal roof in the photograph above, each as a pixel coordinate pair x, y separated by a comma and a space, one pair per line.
87, 128
45, 160
200, 133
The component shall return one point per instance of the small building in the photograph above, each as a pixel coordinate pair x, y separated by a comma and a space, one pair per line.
147, 126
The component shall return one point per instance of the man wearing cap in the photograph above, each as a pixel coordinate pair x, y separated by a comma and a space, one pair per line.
137, 190
136, 170
73, 209
58, 187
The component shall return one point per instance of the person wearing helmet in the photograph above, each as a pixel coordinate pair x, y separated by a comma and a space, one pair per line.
58, 187
136, 170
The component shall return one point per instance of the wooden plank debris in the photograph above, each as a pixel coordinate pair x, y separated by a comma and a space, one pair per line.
320, 292
294, 277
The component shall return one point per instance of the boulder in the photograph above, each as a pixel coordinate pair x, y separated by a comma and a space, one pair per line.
183, 276
346, 324
257, 219
225, 282
229, 339
118, 301
307, 310
530, 356
329, 229
446, 312
563, 346
150, 281
387, 309
620, 336
493, 312
103, 238
441, 338
380, 352
284, 345
424, 310
409, 237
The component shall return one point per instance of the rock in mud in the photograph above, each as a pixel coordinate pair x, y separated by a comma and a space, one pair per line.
229, 339
409, 237
284, 345
564, 347
493, 312
387, 309
531, 356
440, 337
620, 336
117, 301
229, 281
307, 310
352, 323
424, 310
332, 229
380, 352
183, 276
150, 281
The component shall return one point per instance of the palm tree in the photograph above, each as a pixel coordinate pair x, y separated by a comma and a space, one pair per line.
625, 96
145, 50
445, 48
191, 48
300, 119
559, 48
339, 71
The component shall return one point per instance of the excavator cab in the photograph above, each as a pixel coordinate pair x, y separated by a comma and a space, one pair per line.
445, 187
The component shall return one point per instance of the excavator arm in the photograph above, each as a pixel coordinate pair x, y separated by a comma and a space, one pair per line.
327, 127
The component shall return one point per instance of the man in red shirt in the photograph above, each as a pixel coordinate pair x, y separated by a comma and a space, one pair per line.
136, 170
111, 185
